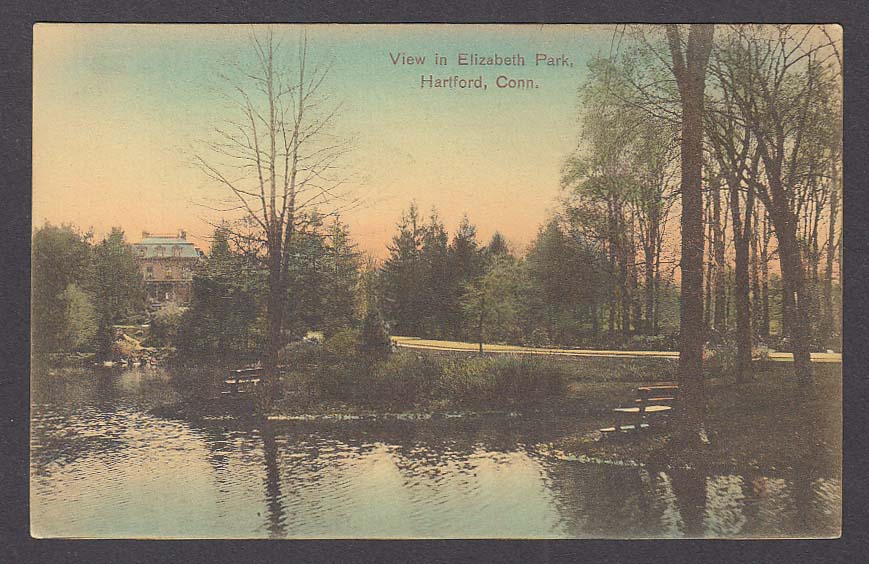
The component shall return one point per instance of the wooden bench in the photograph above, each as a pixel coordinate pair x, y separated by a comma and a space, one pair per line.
234, 386
652, 401
244, 380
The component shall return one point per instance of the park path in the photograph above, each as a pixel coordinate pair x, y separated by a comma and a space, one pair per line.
430, 344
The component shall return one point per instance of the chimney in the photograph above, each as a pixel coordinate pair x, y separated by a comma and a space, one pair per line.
182, 235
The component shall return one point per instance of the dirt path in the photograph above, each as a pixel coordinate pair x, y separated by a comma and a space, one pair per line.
417, 343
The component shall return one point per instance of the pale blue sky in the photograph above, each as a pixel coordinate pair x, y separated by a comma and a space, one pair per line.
118, 110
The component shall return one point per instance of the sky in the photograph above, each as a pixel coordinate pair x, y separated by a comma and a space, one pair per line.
120, 110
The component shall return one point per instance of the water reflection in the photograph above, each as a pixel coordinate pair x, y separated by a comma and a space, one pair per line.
103, 466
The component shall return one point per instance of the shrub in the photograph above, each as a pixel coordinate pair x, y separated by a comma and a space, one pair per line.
526, 380
340, 369
375, 342
467, 381
502, 381
720, 359
343, 343
652, 343
403, 380
165, 325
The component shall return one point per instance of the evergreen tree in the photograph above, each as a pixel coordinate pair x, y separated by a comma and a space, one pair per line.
307, 278
116, 285
491, 303
436, 297
465, 266
403, 277
342, 276
497, 246
225, 317
569, 281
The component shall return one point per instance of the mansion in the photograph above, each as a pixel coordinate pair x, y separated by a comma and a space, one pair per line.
167, 263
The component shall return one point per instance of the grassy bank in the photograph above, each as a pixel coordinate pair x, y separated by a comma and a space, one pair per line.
771, 421
410, 381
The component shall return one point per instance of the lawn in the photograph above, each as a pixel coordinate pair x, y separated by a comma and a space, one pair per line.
770, 421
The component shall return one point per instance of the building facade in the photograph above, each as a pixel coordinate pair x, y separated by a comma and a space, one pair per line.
167, 263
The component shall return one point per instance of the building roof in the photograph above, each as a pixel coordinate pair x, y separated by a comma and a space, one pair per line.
161, 246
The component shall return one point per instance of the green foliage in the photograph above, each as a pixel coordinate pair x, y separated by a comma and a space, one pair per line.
497, 247
80, 320
117, 286
506, 381
408, 381
60, 258
224, 320
339, 371
567, 285
425, 276
344, 343
492, 302
653, 343
375, 343
165, 325
436, 307
403, 381
323, 276
342, 277
403, 276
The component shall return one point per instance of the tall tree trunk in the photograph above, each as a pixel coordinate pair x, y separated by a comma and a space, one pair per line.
650, 291
754, 262
689, 68
796, 299
710, 271
764, 277
719, 320
275, 323
741, 238
829, 322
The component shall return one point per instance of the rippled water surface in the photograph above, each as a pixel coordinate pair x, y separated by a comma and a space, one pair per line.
103, 466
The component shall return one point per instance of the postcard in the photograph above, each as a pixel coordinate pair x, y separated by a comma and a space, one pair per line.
436, 281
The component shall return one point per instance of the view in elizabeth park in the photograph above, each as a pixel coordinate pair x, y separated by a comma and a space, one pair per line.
436, 281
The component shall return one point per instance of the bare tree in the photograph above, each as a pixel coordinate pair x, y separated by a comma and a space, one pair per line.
276, 158
738, 160
779, 75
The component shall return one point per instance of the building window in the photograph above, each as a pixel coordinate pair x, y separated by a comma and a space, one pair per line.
176, 251
149, 272
160, 251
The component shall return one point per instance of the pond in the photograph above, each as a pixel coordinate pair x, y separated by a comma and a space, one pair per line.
103, 466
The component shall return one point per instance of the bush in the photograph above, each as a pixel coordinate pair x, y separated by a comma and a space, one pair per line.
336, 371
653, 343
720, 359
165, 325
502, 381
404, 380
343, 343
526, 380
375, 342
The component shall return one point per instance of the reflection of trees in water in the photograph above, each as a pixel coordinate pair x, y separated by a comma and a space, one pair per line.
614, 501
75, 414
605, 500
276, 514
689, 491
313, 471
